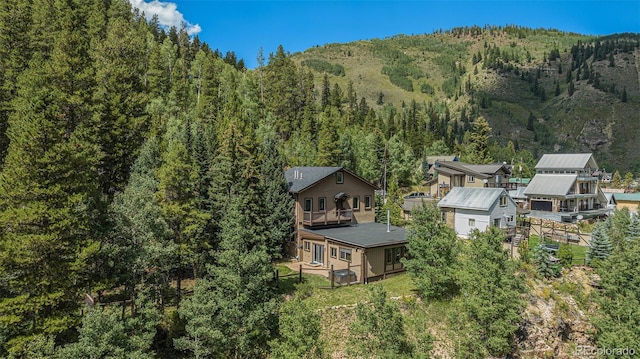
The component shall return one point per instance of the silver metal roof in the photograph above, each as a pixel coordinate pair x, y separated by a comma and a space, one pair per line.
550, 184
568, 161
477, 198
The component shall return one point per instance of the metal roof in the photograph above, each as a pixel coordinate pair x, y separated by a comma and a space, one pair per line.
550, 184
463, 168
365, 235
569, 161
634, 197
488, 169
477, 198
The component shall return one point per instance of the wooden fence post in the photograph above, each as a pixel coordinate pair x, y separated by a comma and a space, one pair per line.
300, 275
331, 277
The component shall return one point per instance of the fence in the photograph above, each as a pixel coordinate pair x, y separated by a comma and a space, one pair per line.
554, 231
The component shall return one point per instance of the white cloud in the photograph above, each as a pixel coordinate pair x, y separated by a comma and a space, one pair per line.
168, 14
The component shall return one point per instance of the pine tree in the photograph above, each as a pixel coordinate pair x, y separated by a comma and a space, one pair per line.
231, 311
599, 246
544, 266
120, 99
277, 203
48, 192
616, 180
433, 250
619, 298
140, 238
491, 301
478, 151
328, 139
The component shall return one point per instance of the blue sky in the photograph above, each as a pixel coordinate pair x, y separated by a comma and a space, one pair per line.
245, 26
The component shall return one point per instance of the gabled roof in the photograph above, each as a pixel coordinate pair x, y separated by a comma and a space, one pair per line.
489, 169
301, 178
476, 198
568, 161
366, 235
551, 184
458, 168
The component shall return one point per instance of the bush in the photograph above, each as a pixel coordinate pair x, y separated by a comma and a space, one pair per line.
565, 255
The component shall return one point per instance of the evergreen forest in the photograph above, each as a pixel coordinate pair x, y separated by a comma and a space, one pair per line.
143, 203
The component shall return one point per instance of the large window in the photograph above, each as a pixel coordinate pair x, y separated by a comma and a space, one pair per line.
367, 202
322, 204
308, 204
393, 258
356, 203
345, 254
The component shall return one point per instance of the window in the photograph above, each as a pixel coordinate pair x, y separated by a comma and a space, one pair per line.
503, 201
345, 254
356, 203
470, 179
308, 204
322, 204
393, 258
367, 202
339, 177
472, 222
307, 246
496, 222
334, 252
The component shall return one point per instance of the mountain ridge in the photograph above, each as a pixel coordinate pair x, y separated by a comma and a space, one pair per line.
507, 75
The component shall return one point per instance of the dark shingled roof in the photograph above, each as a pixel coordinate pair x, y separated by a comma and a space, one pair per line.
300, 178
365, 235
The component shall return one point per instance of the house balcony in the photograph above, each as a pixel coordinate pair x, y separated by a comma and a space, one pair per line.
325, 218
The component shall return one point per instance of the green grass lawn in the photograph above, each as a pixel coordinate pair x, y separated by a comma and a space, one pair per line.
579, 252
396, 286
323, 296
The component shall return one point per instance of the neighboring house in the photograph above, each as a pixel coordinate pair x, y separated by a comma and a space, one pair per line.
430, 161
466, 208
566, 183
413, 202
629, 200
449, 174
334, 224
519, 197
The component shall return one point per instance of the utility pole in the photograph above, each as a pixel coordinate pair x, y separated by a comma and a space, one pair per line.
384, 179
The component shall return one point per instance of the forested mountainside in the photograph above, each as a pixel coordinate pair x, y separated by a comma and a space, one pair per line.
544, 90
143, 204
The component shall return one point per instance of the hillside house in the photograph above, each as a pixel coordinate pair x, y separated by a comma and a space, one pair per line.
335, 224
450, 174
467, 208
566, 183
631, 201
